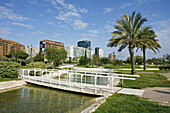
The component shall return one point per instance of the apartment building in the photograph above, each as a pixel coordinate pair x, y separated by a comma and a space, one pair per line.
32, 51
48, 43
112, 56
6, 46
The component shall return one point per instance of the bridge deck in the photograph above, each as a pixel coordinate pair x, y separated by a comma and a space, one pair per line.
100, 90
82, 87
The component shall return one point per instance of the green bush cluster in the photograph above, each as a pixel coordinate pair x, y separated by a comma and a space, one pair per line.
38, 73
167, 67
9, 69
37, 65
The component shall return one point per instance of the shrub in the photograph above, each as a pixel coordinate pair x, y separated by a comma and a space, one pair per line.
9, 69
118, 62
37, 65
167, 67
37, 73
23, 63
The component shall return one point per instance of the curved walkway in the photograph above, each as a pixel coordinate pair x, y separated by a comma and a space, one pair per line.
158, 94
11, 84
167, 75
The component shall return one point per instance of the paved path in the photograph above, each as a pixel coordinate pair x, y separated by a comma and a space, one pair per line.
158, 94
167, 75
10, 84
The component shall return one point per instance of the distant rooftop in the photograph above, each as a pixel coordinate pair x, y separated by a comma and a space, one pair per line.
51, 40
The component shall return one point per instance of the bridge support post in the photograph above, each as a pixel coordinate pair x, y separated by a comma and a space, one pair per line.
81, 83
112, 84
29, 74
23, 73
42, 76
69, 80
50, 78
95, 83
59, 79
122, 81
35, 74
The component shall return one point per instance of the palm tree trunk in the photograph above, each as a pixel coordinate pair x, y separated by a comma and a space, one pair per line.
131, 51
144, 59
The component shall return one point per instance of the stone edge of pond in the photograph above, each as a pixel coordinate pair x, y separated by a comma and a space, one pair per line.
93, 107
11, 84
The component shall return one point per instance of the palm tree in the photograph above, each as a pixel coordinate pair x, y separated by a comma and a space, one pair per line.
147, 40
126, 34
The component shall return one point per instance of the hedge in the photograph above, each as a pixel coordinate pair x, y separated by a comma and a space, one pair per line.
37, 65
9, 69
167, 67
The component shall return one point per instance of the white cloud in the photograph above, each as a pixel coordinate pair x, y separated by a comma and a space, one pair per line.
50, 11
69, 13
162, 29
23, 25
109, 28
145, 1
39, 33
50, 23
78, 24
155, 15
67, 16
6, 13
92, 33
107, 10
9, 5
33, 2
56, 35
4, 31
83, 10
125, 5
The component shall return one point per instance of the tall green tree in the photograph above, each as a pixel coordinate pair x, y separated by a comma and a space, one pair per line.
8, 55
105, 60
85, 58
21, 55
95, 60
147, 40
126, 34
55, 55
39, 57
138, 59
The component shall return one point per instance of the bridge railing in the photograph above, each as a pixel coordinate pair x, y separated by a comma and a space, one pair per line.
55, 76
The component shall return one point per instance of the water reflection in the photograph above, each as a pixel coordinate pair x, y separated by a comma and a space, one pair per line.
39, 99
85, 79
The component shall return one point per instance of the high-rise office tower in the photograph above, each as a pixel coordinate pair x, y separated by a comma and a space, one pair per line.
85, 44
99, 52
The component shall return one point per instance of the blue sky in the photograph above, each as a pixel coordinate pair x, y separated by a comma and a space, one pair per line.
69, 21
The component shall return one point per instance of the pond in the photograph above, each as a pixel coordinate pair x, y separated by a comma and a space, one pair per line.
31, 98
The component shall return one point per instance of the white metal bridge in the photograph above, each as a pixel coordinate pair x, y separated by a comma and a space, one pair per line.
95, 83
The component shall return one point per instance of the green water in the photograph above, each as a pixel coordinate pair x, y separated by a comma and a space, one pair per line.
36, 99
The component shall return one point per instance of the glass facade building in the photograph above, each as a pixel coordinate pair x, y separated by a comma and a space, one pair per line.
84, 44
73, 51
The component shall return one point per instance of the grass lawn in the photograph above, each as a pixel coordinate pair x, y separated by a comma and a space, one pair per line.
120, 103
146, 80
127, 66
89, 66
8, 79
